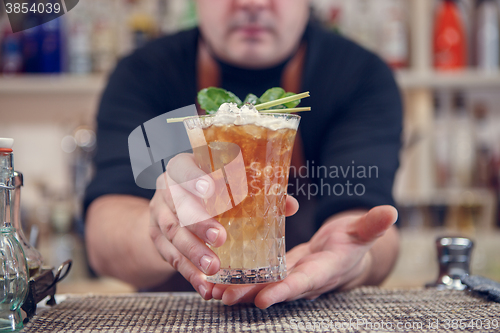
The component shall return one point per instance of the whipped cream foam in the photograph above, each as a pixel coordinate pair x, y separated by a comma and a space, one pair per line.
230, 113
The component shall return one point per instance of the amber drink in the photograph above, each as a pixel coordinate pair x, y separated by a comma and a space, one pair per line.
248, 155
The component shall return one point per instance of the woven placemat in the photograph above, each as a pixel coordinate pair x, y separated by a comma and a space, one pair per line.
365, 309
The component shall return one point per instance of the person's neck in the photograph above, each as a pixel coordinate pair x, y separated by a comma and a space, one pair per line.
228, 66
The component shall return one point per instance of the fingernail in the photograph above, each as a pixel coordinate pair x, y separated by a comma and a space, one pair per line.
205, 263
203, 291
212, 235
202, 186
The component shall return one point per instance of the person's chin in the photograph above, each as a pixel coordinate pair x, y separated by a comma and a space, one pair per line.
253, 54
253, 60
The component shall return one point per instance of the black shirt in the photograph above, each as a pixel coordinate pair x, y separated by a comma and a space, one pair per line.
355, 122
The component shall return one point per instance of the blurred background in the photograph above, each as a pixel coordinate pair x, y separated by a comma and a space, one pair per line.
51, 78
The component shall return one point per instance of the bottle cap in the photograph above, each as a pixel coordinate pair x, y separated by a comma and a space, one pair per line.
6, 143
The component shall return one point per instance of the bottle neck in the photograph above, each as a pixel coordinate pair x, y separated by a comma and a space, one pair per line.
6, 187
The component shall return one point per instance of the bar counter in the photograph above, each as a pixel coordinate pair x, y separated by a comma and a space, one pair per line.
366, 309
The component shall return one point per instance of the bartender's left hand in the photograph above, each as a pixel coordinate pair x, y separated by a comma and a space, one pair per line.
338, 256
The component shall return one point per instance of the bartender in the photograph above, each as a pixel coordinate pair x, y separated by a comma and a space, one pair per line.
336, 240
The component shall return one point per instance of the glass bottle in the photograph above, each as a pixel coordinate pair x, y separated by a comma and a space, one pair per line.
462, 144
450, 43
13, 265
441, 138
487, 35
393, 34
33, 257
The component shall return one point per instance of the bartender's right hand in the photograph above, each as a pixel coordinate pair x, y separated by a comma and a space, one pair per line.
180, 231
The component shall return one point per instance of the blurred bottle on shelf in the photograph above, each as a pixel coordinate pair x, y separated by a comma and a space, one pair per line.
32, 46
449, 38
143, 29
487, 35
331, 13
462, 143
103, 41
441, 141
468, 213
393, 33
11, 51
484, 163
334, 17
161, 16
79, 47
438, 212
189, 17
141, 22
169, 15
51, 47
361, 24
380, 26
412, 217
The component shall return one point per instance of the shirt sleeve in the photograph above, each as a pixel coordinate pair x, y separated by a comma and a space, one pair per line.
129, 100
361, 147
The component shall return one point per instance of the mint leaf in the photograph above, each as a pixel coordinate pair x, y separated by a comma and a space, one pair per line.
210, 99
272, 94
251, 99
293, 103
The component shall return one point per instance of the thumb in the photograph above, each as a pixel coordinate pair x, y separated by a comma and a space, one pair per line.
373, 224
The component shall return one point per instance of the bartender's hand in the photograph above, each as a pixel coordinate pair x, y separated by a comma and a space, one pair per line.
339, 256
174, 229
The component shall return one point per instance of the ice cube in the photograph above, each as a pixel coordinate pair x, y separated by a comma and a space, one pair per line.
224, 108
249, 109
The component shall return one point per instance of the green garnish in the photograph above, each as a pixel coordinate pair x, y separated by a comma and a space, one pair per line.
272, 95
291, 104
210, 99
251, 99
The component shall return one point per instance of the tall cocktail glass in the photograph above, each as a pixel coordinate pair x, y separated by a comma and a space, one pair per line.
249, 161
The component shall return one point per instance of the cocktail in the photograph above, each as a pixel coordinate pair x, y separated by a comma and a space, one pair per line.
248, 155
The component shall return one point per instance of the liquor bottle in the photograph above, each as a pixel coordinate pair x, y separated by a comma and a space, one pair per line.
450, 42
103, 39
142, 27
190, 18
484, 163
51, 48
486, 35
32, 45
462, 144
79, 42
331, 14
394, 34
441, 142
11, 51
361, 23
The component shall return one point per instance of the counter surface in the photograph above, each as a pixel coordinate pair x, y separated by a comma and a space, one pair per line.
366, 309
